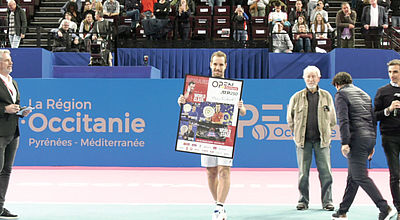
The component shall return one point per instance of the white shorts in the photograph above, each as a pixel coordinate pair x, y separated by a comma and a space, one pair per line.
211, 161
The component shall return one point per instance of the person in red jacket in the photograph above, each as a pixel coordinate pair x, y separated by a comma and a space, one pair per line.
148, 8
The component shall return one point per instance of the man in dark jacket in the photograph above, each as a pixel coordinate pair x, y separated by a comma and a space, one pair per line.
16, 18
358, 133
9, 131
65, 40
387, 111
374, 19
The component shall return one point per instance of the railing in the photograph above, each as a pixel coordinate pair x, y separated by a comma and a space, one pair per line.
4, 37
392, 37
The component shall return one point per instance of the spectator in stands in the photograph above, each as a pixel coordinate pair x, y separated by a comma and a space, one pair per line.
111, 8
132, 8
310, 6
303, 39
395, 6
85, 30
319, 9
183, 18
161, 9
16, 19
88, 9
213, 3
345, 24
239, 22
297, 12
72, 25
101, 28
97, 6
281, 42
278, 15
300, 20
65, 40
191, 3
385, 4
257, 7
76, 15
148, 8
320, 28
282, 3
78, 4
374, 19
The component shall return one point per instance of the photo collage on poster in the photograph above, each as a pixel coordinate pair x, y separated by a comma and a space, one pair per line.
208, 127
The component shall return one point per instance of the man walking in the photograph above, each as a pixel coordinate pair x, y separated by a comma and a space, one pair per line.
311, 117
358, 133
16, 18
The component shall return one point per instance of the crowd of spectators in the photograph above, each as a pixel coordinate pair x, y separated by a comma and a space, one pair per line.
293, 28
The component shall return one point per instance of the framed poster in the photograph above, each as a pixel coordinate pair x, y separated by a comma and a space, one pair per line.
209, 118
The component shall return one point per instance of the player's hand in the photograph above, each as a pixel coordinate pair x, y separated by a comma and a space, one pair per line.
240, 104
371, 154
345, 150
181, 100
12, 109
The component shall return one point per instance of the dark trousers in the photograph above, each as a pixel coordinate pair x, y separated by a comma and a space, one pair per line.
303, 44
391, 145
358, 175
8, 149
373, 37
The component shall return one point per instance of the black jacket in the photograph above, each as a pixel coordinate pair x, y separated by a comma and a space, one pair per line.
20, 23
8, 122
395, 6
355, 114
389, 125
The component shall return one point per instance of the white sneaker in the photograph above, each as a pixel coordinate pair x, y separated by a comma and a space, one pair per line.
222, 215
215, 215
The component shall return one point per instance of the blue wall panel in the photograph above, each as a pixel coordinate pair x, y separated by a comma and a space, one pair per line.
61, 131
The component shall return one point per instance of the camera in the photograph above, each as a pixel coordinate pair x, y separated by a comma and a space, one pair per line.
98, 55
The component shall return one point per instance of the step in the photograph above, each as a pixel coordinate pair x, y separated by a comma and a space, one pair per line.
45, 24
43, 29
52, 4
64, 1
46, 19
50, 9
33, 41
48, 14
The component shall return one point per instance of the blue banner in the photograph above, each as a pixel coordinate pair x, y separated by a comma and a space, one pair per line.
134, 122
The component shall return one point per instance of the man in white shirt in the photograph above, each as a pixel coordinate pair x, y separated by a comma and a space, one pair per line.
374, 19
9, 131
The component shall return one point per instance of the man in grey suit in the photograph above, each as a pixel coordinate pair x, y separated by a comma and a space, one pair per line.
374, 19
9, 132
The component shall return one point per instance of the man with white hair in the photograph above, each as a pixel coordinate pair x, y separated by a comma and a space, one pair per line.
311, 117
16, 18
